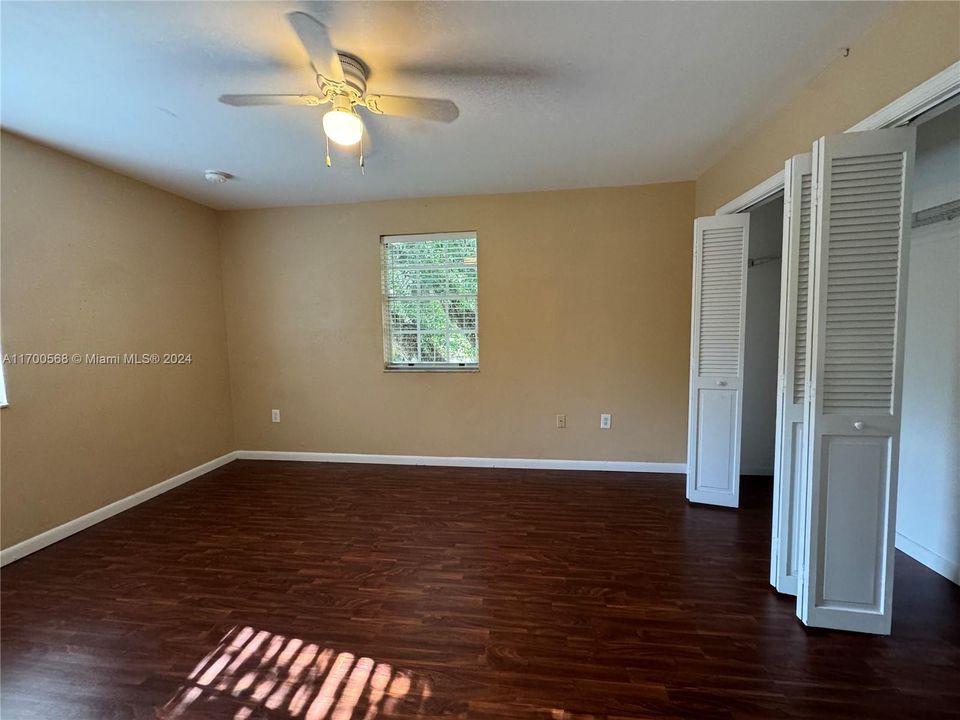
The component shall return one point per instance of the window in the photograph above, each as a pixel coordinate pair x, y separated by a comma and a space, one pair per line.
430, 301
3, 383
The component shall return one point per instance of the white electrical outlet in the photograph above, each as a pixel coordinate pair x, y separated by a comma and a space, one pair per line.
275, 416
561, 421
605, 421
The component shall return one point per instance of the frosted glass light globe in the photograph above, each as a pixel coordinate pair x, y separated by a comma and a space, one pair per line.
344, 127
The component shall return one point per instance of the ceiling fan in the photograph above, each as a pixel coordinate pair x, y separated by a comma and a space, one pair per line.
342, 79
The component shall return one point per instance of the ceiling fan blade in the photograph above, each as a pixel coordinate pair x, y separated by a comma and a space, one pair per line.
244, 100
316, 40
411, 107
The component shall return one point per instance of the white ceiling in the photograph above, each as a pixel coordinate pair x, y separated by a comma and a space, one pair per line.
551, 95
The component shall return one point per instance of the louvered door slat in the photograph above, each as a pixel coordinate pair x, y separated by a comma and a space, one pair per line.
803, 288
721, 289
863, 282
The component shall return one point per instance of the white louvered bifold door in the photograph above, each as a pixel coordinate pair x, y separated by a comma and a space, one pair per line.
716, 359
862, 225
789, 449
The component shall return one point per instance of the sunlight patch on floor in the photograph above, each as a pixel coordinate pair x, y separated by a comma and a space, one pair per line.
257, 674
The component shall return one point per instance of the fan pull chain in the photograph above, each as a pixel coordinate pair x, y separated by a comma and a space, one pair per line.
362, 171
328, 152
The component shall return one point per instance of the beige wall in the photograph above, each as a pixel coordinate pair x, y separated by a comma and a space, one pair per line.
584, 308
94, 262
910, 44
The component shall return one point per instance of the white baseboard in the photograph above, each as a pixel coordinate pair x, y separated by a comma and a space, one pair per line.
936, 562
38, 542
520, 463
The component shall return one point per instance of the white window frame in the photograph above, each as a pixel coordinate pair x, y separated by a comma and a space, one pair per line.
391, 367
3, 382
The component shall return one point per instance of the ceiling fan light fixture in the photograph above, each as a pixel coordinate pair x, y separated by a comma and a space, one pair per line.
342, 79
342, 124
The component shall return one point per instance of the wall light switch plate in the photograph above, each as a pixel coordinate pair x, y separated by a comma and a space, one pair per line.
561, 421
605, 421
275, 416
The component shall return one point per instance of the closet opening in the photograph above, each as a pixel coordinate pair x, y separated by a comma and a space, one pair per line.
928, 507
760, 347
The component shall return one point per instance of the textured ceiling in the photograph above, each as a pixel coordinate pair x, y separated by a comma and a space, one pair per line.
551, 95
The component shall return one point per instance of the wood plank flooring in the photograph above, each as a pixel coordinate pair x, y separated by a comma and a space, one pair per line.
380, 591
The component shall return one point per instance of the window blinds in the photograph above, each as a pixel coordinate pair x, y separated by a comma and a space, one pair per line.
430, 300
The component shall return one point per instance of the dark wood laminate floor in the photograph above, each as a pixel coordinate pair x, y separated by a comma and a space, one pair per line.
356, 591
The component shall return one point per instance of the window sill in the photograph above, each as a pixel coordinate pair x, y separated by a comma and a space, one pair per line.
440, 369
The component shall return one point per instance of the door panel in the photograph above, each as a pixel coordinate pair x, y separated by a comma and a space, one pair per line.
854, 477
791, 391
718, 421
789, 508
716, 359
855, 368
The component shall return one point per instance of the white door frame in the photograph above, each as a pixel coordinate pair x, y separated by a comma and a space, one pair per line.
942, 86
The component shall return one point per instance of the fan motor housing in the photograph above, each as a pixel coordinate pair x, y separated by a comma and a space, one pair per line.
354, 76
